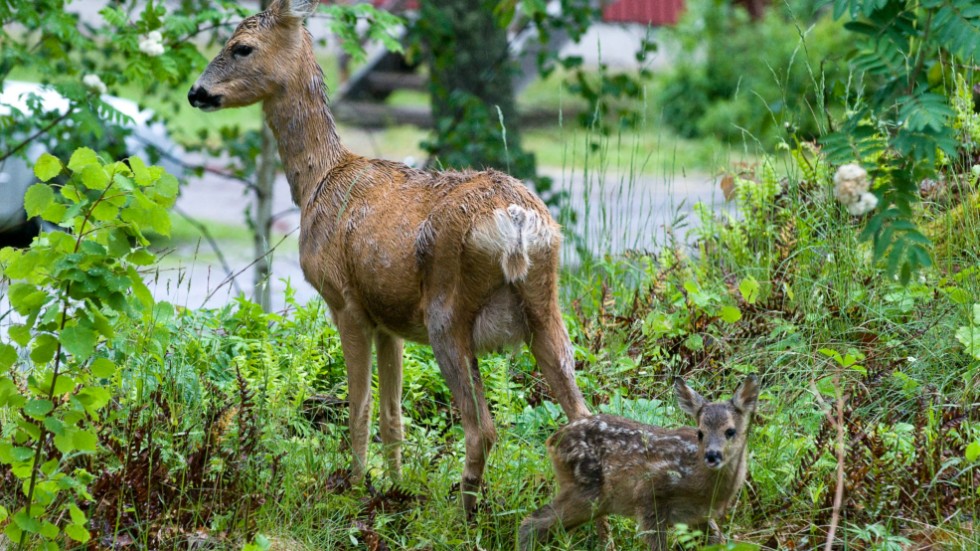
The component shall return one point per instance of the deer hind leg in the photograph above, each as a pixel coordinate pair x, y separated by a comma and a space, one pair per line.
552, 348
390, 388
451, 340
355, 341
568, 511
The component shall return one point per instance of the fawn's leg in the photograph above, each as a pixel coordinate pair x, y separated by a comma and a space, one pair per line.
568, 511
606, 542
390, 388
452, 344
653, 522
715, 536
355, 340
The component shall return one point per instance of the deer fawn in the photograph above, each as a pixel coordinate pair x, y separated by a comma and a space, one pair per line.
465, 261
611, 465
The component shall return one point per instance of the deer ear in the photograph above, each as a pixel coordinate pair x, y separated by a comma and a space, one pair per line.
746, 395
293, 9
689, 401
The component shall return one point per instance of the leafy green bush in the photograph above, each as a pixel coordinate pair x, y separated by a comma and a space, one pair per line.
738, 80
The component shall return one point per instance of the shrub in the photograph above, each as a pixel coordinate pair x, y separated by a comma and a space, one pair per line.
752, 79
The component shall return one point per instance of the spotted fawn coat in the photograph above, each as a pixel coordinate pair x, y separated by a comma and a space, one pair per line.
610, 465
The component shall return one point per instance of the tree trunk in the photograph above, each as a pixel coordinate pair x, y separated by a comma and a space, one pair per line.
471, 90
264, 183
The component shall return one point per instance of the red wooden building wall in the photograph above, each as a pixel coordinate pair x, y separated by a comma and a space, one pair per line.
644, 12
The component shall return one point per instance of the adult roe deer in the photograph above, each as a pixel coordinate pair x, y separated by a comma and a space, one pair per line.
611, 465
464, 261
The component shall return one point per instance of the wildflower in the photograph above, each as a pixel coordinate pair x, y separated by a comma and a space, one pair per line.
865, 204
850, 182
152, 45
94, 83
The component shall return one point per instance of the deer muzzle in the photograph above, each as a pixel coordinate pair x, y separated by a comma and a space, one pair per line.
200, 98
713, 459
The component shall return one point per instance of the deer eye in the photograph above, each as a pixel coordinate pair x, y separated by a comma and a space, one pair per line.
730, 433
700, 436
241, 50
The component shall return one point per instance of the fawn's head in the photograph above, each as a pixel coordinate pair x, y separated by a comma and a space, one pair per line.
722, 426
266, 51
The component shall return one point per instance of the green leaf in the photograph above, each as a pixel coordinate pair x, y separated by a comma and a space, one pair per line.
77, 533
47, 166
749, 288
973, 451
969, 337
3, 513
38, 408
9, 394
49, 530
81, 158
94, 398
26, 298
77, 516
65, 441
730, 314
43, 348
8, 355
26, 522
103, 368
85, 440
95, 177
37, 199
79, 340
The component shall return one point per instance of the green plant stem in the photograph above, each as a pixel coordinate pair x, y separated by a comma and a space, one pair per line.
39, 447
921, 57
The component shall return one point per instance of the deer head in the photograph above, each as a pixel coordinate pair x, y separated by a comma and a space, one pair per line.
264, 53
722, 426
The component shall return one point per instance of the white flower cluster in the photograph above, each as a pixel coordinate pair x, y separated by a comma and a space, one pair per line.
152, 45
851, 189
94, 83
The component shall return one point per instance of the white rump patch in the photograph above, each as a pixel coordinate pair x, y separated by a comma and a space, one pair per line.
515, 233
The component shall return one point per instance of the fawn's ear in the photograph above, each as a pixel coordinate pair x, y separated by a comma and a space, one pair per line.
746, 395
688, 400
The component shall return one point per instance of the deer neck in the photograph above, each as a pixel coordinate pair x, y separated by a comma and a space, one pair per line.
305, 130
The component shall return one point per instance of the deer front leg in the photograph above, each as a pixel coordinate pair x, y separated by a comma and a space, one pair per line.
355, 340
569, 510
653, 522
390, 383
715, 535
451, 340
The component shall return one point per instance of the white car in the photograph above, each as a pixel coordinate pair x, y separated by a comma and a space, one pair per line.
17, 174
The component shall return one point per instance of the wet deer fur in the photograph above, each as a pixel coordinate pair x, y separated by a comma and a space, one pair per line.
611, 465
465, 261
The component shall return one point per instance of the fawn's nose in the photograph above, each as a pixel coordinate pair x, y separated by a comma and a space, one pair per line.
713, 458
199, 97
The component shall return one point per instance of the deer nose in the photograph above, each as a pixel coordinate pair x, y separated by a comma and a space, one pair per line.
713, 458
202, 99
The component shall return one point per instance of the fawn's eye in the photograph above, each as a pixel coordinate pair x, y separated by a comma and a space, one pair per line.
730, 433
700, 436
241, 50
